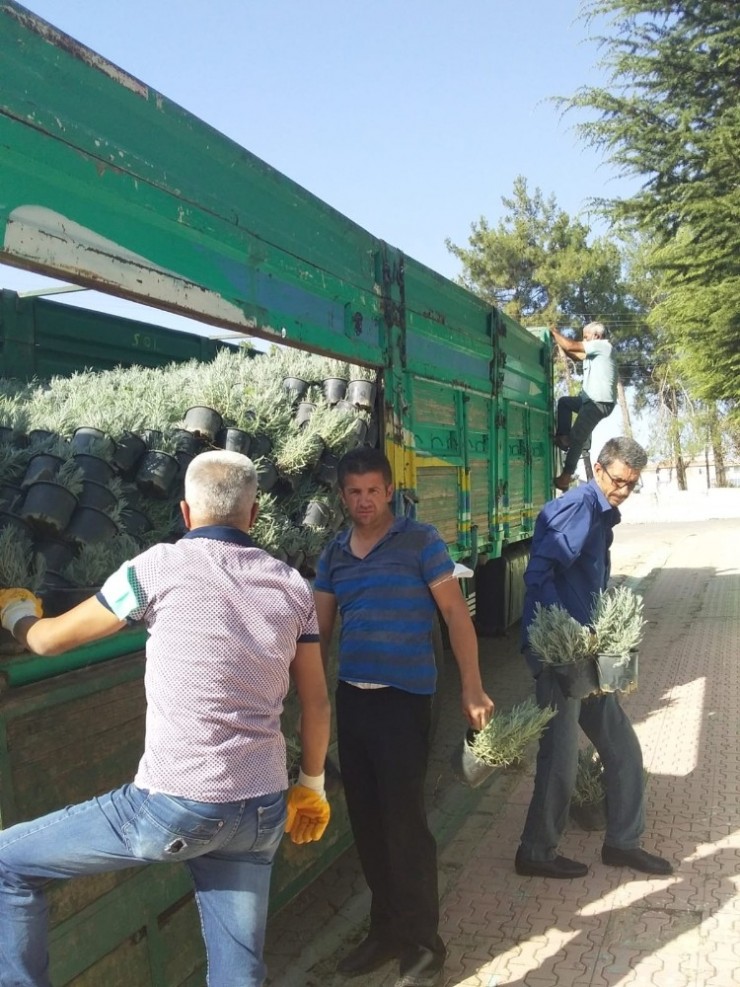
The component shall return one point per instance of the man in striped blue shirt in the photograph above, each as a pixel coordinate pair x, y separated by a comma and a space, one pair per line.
387, 576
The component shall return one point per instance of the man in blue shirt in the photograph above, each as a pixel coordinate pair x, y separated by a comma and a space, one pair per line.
387, 576
569, 565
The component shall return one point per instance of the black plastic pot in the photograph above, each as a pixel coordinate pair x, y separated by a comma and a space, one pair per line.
295, 386
234, 440
188, 442
267, 475
345, 407
152, 438
42, 466
48, 507
203, 421
297, 558
371, 435
57, 554
361, 393
359, 432
334, 389
466, 766
10, 497
89, 526
38, 435
318, 514
59, 594
261, 446
97, 495
577, 679
135, 522
157, 473
615, 674
304, 411
21, 527
129, 450
92, 440
326, 469
184, 459
93, 467
589, 815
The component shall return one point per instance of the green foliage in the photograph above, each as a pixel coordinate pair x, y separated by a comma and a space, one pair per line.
617, 625
96, 562
70, 476
504, 740
19, 567
589, 787
247, 391
670, 118
558, 638
618, 622
538, 265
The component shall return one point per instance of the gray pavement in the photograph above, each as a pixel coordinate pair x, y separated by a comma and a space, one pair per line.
614, 927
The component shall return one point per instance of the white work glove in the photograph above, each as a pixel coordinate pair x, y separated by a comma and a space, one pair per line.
15, 604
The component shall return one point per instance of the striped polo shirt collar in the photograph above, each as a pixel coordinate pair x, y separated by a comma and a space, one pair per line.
344, 536
222, 532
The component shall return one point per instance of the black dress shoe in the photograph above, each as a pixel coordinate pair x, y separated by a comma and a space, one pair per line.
371, 954
637, 859
421, 967
558, 867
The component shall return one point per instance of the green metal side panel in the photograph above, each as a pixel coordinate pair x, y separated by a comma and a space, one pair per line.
40, 338
109, 184
78, 734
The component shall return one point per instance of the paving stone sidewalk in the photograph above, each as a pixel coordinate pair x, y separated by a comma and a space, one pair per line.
614, 927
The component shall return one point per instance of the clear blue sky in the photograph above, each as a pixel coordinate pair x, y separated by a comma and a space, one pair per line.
409, 118
413, 118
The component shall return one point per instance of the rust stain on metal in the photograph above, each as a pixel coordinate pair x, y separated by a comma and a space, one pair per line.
433, 316
60, 40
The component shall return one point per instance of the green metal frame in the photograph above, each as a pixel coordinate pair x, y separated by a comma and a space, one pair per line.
41, 338
109, 184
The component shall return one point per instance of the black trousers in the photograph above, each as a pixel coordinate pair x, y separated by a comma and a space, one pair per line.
384, 741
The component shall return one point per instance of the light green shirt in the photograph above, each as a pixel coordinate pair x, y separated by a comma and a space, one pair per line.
599, 371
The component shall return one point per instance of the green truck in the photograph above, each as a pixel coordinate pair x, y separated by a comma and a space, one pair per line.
107, 184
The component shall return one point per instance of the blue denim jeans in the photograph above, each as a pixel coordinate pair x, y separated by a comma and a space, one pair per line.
227, 847
588, 415
608, 728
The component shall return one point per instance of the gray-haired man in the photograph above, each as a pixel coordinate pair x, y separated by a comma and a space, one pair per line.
596, 400
228, 627
568, 566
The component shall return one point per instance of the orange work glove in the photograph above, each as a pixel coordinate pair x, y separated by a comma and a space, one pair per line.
308, 810
16, 604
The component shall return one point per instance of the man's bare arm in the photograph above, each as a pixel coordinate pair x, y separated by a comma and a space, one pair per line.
89, 621
573, 347
308, 675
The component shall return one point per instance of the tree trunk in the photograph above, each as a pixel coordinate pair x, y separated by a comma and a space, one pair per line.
675, 438
715, 439
624, 408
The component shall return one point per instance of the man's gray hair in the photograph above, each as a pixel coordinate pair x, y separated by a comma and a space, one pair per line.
597, 328
624, 450
221, 485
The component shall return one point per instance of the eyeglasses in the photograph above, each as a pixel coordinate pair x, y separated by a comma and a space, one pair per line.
619, 483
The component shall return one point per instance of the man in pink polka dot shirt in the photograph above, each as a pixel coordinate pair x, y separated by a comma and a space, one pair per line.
229, 626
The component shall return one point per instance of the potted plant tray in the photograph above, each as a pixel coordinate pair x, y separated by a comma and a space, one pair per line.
597, 674
502, 743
